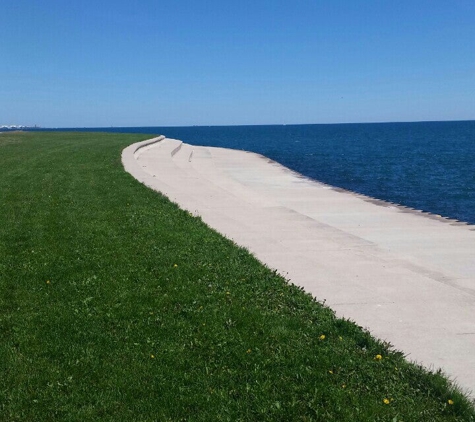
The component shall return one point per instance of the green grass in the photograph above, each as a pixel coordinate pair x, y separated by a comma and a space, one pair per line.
115, 305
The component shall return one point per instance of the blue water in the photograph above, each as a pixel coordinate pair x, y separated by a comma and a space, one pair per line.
424, 165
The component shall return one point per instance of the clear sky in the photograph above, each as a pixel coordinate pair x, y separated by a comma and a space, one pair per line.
82, 63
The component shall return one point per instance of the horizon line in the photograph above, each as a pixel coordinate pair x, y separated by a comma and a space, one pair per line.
245, 125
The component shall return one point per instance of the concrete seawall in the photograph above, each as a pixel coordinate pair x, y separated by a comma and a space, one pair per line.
407, 276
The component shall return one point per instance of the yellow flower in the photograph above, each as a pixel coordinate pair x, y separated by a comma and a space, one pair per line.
228, 293
330, 372
248, 351
450, 401
175, 265
386, 401
343, 386
378, 357
152, 356
47, 282
322, 337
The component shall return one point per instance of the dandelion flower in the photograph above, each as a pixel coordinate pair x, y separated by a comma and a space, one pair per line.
386, 401
175, 265
152, 356
450, 401
322, 337
330, 372
378, 357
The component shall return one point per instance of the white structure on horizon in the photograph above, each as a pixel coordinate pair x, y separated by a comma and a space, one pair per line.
13, 127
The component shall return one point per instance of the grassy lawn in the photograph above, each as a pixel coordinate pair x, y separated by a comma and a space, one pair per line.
115, 305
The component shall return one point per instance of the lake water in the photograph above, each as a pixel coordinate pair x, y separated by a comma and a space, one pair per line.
425, 165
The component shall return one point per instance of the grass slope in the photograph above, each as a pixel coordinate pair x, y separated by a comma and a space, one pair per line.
115, 305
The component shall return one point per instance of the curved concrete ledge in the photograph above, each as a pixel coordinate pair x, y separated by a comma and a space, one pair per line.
140, 147
407, 276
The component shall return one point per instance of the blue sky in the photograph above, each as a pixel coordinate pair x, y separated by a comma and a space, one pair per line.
182, 62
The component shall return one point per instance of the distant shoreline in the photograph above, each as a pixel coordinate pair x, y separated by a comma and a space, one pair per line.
118, 128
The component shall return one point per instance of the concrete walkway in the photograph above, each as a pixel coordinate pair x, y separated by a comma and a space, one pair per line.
407, 276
